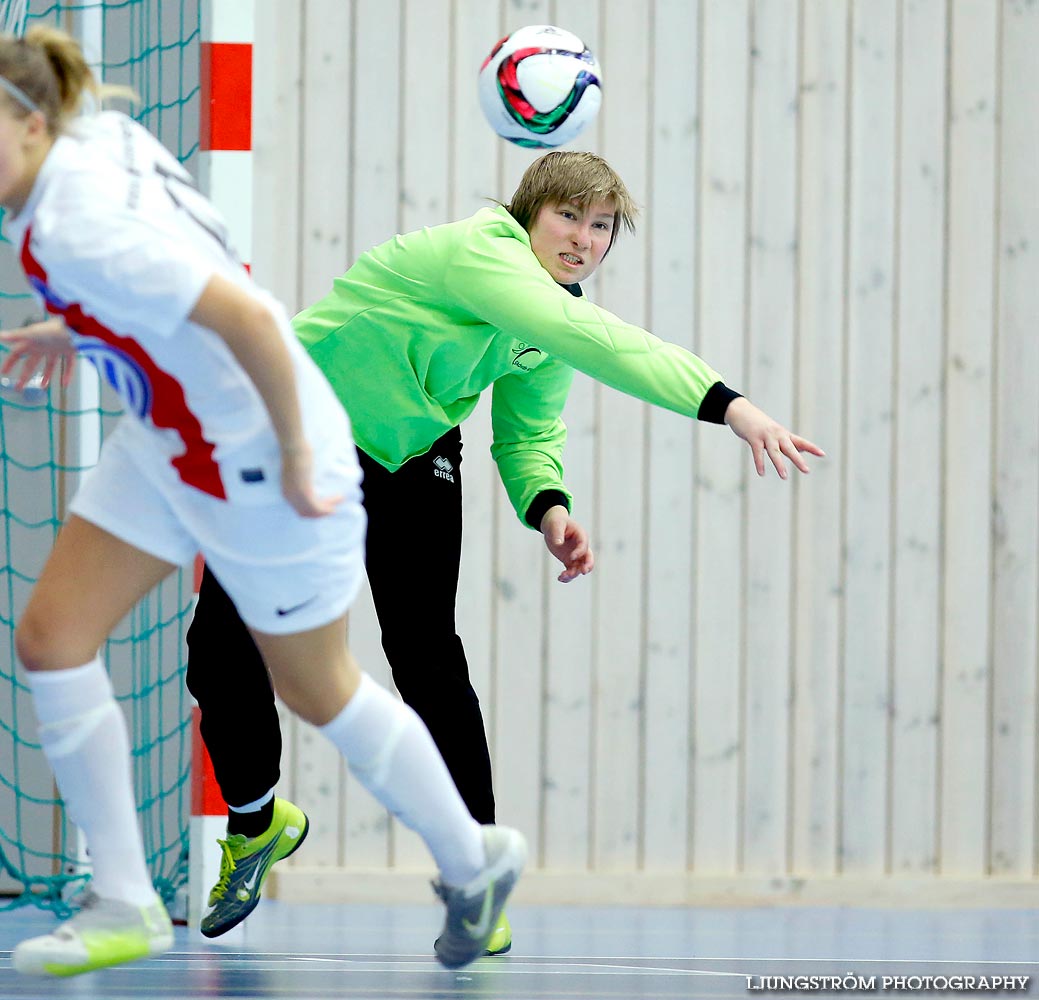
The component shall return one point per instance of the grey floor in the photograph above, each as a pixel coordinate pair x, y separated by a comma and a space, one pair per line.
299, 951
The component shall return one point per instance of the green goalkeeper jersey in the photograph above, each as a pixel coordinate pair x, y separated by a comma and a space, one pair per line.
418, 327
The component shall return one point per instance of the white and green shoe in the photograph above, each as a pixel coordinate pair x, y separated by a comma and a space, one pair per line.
105, 932
246, 864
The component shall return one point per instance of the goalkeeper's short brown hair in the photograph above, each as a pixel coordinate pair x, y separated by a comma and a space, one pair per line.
566, 176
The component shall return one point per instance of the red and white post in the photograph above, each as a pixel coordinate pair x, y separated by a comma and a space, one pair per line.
226, 177
226, 126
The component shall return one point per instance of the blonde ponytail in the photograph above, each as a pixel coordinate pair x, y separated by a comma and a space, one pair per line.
49, 73
73, 75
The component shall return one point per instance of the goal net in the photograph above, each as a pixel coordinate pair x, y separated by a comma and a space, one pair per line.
48, 439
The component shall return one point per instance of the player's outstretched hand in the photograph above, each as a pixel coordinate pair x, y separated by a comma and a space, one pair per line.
568, 542
297, 483
766, 437
39, 347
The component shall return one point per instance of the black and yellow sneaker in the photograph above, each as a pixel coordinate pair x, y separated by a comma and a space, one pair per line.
474, 909
245, 864
501, 938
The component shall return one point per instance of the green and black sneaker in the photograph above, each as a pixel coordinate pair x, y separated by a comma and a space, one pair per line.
474, 909
501, 940
245, 864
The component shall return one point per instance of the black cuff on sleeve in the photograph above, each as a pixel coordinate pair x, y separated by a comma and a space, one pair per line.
541, 503
714, 404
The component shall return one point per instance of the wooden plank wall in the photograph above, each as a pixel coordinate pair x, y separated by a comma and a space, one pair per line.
833, 677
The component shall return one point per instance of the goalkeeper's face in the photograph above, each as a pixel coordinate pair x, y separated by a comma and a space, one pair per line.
570, 240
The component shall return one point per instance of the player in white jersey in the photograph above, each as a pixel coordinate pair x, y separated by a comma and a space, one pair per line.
233, 445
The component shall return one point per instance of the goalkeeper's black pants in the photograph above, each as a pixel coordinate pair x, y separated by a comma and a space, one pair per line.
412, 555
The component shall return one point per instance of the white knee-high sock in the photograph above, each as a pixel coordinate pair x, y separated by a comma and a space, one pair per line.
392, 754
83, 733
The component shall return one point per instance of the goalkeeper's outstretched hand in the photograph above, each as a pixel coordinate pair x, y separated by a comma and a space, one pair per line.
767, 437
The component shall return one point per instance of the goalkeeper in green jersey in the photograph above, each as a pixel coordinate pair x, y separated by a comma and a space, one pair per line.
409, 337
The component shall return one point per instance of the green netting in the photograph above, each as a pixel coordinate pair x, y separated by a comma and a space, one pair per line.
47, 439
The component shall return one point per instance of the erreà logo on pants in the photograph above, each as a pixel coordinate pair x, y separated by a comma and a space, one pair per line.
442, 468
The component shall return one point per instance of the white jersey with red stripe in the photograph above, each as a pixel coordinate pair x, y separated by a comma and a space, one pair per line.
115, 239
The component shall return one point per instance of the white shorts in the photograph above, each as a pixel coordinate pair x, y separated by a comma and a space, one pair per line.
285, 573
